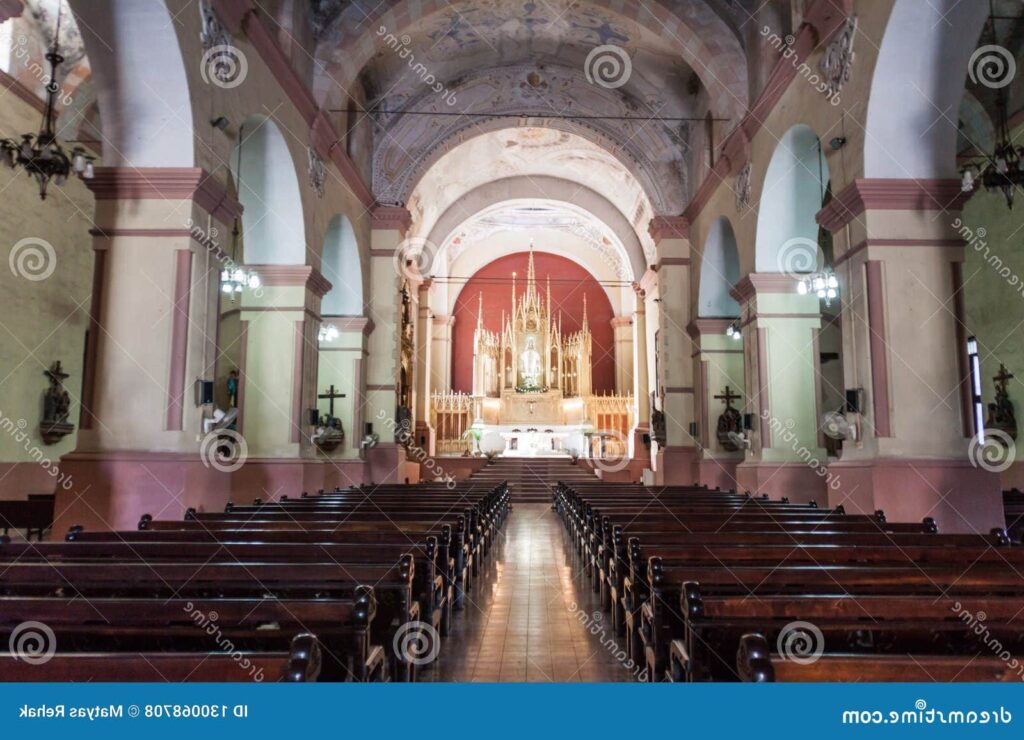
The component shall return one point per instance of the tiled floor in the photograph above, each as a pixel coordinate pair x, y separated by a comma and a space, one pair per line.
530, 619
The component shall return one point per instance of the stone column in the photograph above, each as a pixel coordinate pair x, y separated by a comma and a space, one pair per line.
640, 449
425, 434
441, 352
675, 462
622, 331
719, 361
342, 364
781, 370
386, 462
152, 334
899, 247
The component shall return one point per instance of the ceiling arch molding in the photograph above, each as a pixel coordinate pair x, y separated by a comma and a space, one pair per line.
551, 189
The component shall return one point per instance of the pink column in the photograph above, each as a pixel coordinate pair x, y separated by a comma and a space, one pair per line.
898, 255
151, 333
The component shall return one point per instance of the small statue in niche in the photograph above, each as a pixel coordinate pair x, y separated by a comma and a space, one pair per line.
729, 421
56, 407
233, 389
1000, 413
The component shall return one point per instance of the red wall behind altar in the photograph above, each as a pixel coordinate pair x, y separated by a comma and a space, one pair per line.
569, 283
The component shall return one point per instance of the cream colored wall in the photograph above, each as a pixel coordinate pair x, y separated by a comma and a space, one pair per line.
994, 295
801, 103
792, 401
46, 320
337, 366
724, 358
268, 416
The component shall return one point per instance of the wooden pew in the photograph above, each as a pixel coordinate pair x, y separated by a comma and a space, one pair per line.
451, 541
300, 664
755, 662
429, 579
807, 626
181, 625
750, 549
35, 514
662, 615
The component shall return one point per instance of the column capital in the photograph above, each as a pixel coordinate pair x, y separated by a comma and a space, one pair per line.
891, 194
293, 275
395, 218
704, 327
669, 227
426, 285
166, 183
763, 282
352, 324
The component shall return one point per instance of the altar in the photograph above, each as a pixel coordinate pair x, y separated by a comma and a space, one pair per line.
531, 442
532, 386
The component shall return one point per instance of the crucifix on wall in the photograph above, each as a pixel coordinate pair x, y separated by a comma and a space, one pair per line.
1000, 413
729, 421
330, 395
329, 434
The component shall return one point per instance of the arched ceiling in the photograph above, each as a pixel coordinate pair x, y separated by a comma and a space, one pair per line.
475, 65
537, 163
593, 243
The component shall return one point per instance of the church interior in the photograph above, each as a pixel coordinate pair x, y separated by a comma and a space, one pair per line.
511, 341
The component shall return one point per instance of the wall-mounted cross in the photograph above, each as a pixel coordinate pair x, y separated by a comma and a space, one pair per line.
331, 394
728, 397
1002, 377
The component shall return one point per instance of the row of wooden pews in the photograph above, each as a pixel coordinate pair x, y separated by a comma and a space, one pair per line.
709, 585
353, 585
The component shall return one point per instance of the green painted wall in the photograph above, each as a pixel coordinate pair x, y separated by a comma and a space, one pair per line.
42, 320
994, 289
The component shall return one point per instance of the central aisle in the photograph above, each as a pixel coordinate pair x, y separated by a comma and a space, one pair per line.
521, 625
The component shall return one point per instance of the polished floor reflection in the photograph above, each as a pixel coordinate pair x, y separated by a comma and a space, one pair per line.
530, 618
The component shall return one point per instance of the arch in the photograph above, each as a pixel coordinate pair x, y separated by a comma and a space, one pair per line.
794, 188
342, 266
550, 189
917, 87
689, 29
413, 145
268, 188
140, 82
719, 272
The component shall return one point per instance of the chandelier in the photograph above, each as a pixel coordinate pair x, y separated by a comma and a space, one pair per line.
734, 331
824, 284
41, 154
233, 280
1000, 170
328, 333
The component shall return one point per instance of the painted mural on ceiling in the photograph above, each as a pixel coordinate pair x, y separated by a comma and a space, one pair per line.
655, 154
